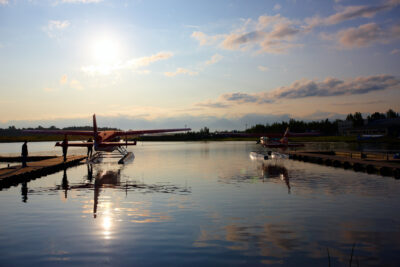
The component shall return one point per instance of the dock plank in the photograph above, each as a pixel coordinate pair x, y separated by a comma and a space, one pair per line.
16, 174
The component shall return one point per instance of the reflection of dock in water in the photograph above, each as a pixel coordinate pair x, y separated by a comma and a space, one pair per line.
18, 174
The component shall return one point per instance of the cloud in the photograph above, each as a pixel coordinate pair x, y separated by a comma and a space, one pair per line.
269, 34
180, 71
366, 35
55, 27
143, 72
3, 2
336, 87
277, 7
214, 59
263, 68
133, 64
145, 61
351, 12
313, 88
205, 39
395, 52
240, 97
210, 104
48, 89
75, 84
64, 79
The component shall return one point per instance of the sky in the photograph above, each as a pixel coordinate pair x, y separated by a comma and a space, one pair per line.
224, 64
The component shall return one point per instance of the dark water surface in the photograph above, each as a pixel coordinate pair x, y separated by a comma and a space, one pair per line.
196, 204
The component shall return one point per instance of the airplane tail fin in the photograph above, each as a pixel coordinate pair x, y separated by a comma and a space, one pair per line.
284, 139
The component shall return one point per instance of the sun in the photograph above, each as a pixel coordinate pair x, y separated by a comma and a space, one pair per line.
105, 50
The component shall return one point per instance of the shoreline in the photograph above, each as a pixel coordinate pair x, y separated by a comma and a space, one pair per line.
313, 139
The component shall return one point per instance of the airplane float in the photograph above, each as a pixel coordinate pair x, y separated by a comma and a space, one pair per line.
105, 141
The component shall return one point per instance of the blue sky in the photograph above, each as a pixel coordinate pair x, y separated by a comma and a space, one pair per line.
222, 64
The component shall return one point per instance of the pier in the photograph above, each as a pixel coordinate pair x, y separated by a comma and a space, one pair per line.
16, 174
381, 163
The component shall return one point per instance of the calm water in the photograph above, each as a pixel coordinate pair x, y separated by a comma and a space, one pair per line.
196, 204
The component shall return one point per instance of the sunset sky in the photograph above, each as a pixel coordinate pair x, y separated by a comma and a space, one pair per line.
221, 64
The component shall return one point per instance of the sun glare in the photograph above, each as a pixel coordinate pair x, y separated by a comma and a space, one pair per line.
105, 50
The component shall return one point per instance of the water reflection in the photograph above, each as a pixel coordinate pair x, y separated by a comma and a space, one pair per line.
269, 171
24, 192
239, 214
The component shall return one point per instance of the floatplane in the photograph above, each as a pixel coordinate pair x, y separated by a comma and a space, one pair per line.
105, 141
282, 143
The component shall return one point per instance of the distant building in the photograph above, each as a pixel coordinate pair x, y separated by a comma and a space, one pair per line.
386, 127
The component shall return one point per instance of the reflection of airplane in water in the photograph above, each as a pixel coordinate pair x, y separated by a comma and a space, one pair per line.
111, 178
275, 171
282, 143
104, 141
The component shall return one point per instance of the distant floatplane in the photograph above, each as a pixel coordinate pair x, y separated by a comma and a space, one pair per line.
282, 143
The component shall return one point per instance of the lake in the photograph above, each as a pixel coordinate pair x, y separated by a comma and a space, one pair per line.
199, 203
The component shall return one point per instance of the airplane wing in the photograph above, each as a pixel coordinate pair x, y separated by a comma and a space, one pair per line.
60, 132
141, 132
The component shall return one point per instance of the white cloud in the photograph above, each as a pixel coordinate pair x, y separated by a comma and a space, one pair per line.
145, 61
351, 12
180, 71
263, 68
55, 27
143, 72
3, 2
277, 7
133, 64
395, 52
75, 84
48, 89
365, 35
269, 34
214, 59
205, 39
64, 79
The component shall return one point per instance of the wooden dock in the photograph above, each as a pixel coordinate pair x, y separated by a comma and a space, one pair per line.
359, 161
17, 174
19, 158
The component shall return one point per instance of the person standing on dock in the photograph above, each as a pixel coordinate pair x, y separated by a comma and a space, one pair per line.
24, 153
89, 148
65, 148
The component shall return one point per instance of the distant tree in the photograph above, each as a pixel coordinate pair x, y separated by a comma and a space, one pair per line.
376, 116
390, 114
358, 119
349, 117
205, 131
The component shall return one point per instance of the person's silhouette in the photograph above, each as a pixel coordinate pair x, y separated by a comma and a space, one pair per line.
65, 148
24, 153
